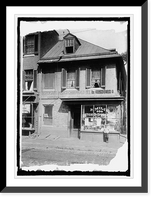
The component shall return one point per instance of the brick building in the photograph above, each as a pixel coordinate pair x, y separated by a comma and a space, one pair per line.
81, 88
35, 45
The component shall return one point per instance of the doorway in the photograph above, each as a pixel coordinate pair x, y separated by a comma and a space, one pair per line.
75, 119
76, 116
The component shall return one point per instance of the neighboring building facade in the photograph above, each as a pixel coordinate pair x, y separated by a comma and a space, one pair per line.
81, 88
35, 45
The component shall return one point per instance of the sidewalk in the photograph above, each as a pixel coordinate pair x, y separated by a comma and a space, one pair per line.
47, 141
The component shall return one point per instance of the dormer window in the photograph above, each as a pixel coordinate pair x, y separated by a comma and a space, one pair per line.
69, 45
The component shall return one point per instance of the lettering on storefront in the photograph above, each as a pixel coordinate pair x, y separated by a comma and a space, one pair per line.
76, 92
102, 91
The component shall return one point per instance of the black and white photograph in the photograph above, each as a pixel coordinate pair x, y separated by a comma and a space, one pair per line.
74, 82
76, 99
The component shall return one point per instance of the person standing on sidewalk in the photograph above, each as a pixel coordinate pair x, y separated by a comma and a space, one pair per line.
106, 133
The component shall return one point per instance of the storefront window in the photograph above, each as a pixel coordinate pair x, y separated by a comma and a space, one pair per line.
94, 117
27, 116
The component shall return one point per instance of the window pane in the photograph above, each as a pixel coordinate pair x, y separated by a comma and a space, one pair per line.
69, 49
71, 79
96, 74
113, 117
96, 78
28, 75
30, 42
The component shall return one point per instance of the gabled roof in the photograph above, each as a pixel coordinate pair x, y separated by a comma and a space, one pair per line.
86, 50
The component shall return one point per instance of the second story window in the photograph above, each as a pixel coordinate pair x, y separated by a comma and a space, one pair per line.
95, 77
29, 80
70, 79
31, 44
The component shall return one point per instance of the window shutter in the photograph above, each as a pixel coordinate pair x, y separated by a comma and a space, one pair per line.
64, 78
103, 77
88, 78
120, 83
77, 77
35, 79
36, 44
23, 83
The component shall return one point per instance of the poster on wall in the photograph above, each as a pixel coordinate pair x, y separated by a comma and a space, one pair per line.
26, 108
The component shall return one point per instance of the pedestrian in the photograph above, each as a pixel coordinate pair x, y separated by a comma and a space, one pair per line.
106, 133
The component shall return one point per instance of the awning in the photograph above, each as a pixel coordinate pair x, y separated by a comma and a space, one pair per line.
30, 97
91, 100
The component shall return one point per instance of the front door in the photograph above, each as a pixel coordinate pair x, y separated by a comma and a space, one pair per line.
75, 119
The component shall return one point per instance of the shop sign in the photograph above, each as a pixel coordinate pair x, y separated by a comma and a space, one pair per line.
102, 91
26, 108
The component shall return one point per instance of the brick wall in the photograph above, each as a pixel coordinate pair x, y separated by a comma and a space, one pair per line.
59, 114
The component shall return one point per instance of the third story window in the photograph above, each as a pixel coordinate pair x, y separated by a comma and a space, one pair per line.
31, 44
69, 45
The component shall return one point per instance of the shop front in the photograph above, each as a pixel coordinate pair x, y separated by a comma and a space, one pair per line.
89, 118
29, 115
94, 117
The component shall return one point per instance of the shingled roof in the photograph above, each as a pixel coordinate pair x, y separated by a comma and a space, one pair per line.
86, 50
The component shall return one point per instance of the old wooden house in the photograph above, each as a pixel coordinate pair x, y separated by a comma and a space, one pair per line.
81, 88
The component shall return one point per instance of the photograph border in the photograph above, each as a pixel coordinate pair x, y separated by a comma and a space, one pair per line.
144, 142
22, 172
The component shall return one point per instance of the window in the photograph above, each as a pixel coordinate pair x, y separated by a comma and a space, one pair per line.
70, 78
27, 115
31, 44
47, 116
48, 79
69, 45
95, 77
94, 117
29, 80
